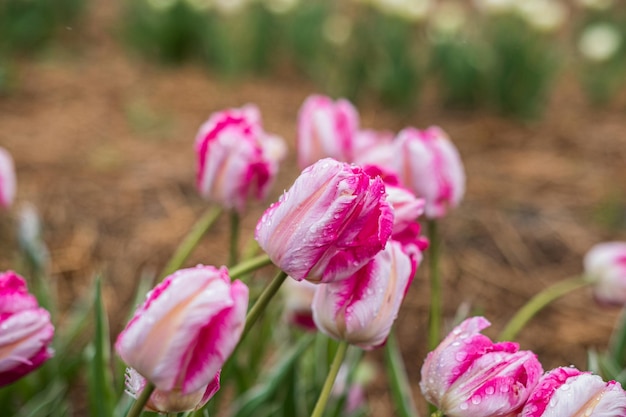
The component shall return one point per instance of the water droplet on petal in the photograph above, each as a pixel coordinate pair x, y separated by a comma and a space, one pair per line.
490, 390
476, 399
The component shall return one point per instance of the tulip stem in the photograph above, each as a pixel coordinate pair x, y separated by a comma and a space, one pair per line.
400, 387
249, 265
434, 318
141, 402
437, 413
539, 301
318, 411
263, 301
191, 240
234, 238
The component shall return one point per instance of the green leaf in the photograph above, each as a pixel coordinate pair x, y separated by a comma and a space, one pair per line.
101, 396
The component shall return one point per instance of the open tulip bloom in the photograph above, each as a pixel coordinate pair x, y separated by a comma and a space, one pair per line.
25, 330
468, 375
236, 158
330, 223
188, 326
568, 392
361, 309
326, 129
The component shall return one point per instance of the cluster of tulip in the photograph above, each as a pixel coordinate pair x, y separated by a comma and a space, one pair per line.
347, 234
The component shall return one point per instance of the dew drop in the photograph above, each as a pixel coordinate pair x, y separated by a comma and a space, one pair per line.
460, 356
565, 387
490, 390
476, 399
464, 406
504, 388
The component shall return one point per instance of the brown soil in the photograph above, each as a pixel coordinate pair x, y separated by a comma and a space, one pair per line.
103, 145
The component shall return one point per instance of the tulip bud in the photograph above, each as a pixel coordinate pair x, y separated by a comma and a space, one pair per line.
326, 129
568, 392
7, 179
362, 308
236, 158
330, 223
429, 165
605, 265
171, 401
25, 330
185, 330
468, 375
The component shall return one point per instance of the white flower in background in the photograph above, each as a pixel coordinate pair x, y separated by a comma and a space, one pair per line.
448, 17
280, 6
543, 15
337, 29
230, 7
413, 10
596, 4
599, 42
495, 6
199, 5
161, 5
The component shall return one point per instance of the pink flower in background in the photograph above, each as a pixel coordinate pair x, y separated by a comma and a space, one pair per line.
468, 375
330, 223
236, 158
185, 330
171, 401
25, 330
7, 179
362, 308
568, 392
605, 265
429, 165
298, 300
326, 128
374, 148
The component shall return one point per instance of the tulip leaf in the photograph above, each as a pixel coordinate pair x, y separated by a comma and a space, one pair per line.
43, 402
101, 397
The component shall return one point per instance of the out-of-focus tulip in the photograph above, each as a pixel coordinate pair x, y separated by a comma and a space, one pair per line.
171, 401
185, 330
7, 179
605, 266
468, 375
298, 300
372, 147
362, 308
326, 128
600, 42
429, 165
25, 330
330, 223
568, 392
236, 157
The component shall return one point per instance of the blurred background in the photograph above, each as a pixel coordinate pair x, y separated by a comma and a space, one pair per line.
100, 103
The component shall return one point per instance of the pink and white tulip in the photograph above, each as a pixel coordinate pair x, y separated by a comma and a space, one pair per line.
236, 158
7, 179
429, 165
374, 148
25, 330
468, 375
362, 308
171, 401
331, 222
185, 330
605, 266
568, 392
326, 128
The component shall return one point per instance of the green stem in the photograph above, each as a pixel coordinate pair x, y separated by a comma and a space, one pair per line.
434, 318
400, 386
249, 265
437, 413
330, 379
259, 306
539, 301
141, 402
234, 238
191, 240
